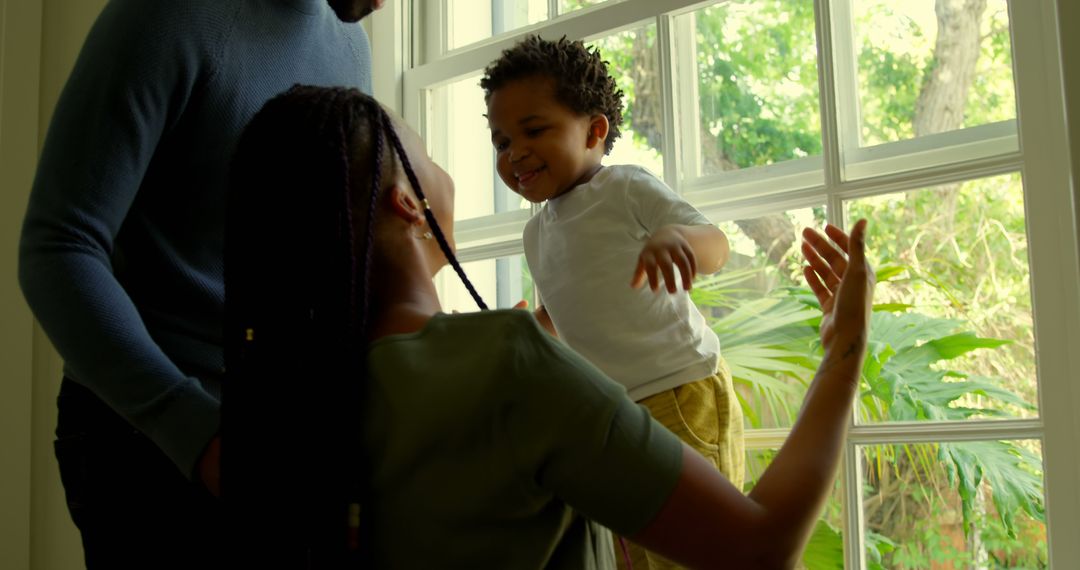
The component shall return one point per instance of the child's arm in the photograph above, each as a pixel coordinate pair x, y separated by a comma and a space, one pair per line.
690, 248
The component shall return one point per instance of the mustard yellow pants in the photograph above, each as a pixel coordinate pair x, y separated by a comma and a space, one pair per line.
706, 415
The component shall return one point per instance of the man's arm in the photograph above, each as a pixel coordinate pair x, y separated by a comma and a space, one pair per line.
131, 75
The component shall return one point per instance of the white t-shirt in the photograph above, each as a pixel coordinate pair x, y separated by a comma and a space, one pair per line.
582, 248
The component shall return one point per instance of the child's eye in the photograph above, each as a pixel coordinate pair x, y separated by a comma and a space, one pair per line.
501, 145
534, 132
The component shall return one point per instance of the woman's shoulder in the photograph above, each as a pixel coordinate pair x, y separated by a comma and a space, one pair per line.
510, 335
514, 339
492, 332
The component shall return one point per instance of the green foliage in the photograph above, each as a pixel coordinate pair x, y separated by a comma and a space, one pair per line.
757, 80
892, 82
1014, 474
905, 385
952, 333
771, 346
877, 548
825, 551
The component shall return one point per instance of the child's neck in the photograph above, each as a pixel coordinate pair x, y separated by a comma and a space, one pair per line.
588, 175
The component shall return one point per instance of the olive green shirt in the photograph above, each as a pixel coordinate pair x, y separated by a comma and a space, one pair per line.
492, 445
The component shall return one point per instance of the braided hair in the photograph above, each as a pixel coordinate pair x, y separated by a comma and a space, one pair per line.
302, 210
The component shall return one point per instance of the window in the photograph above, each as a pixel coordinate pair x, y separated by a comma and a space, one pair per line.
774, 115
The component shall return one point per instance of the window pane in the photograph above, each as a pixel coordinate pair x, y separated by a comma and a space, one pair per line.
571, 5
470, 21
501, 283
757, 84
766, 329
954, 505
915, 81
953, 332
460, 143
825, 549
634, 64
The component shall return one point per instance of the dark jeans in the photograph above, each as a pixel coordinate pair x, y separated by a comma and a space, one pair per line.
133, 506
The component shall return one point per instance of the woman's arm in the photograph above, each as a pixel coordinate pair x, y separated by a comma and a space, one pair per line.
706, 520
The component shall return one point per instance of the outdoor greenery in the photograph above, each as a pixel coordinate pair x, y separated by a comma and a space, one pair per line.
952, 333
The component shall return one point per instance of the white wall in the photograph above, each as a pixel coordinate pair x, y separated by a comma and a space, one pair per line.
39, 40
18, 149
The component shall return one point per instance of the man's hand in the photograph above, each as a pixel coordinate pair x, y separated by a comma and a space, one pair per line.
209, 468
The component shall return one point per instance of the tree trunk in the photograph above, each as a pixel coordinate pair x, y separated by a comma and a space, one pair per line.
941, 102
648, 113
940, 106
774, 234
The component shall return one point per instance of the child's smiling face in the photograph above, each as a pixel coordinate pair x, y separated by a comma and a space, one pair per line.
543, 148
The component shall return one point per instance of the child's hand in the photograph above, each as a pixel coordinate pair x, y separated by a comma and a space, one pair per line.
663, 251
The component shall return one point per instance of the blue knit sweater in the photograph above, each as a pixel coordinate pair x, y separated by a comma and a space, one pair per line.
121, 251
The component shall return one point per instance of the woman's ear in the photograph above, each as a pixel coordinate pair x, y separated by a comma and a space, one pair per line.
404, 205
598, 130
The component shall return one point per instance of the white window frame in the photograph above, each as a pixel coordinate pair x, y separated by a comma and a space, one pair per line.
1035, 145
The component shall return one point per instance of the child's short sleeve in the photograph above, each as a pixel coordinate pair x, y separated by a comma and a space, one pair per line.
653, 204
577, 435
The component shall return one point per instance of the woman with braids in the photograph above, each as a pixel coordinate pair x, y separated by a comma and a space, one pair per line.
362, 424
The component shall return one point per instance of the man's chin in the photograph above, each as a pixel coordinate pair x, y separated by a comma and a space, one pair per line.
352, 11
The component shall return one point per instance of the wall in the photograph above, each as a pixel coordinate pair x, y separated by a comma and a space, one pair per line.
18, 150
39, 40
54, 541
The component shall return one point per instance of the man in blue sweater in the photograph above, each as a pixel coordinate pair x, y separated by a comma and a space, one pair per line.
121, 251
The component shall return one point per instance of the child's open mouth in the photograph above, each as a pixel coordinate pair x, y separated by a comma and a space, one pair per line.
527, 177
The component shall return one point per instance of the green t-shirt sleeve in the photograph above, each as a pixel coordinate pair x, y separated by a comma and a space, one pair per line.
577, 434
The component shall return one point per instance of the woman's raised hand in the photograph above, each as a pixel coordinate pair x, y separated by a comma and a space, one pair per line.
843, 282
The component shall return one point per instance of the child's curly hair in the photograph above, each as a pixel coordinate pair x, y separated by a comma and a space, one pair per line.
581, 77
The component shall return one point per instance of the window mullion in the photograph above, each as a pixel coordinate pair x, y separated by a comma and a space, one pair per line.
851, 486
670, 128
845, 75
830, 140
687, 110
1054, 261
851, 480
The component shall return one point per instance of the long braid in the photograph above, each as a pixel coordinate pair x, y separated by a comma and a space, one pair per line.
298, 314
376, 189
388, 127
357, 475
349, 229
291, 347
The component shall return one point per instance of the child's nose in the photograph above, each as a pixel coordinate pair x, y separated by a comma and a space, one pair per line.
518, 152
